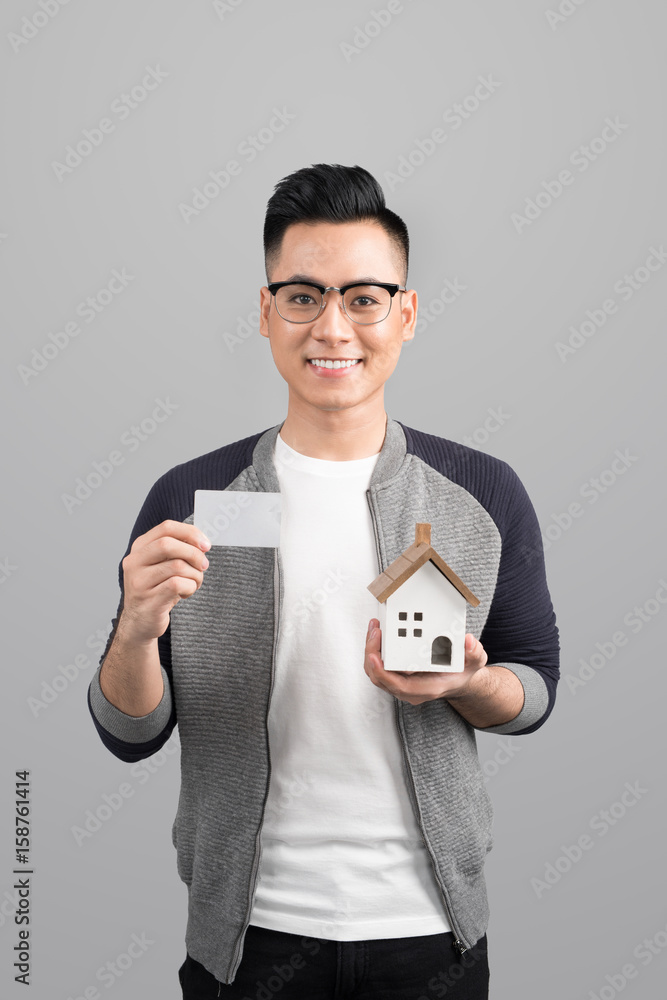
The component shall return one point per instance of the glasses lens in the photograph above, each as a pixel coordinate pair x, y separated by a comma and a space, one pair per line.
367, 303
298, 303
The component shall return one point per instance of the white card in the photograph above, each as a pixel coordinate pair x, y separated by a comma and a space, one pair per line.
232, 517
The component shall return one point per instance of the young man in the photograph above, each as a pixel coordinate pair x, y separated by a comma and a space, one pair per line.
358, 789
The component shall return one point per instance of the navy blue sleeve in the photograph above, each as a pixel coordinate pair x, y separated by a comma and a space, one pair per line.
521, 625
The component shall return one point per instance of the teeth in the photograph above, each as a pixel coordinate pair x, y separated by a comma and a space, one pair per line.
333, 364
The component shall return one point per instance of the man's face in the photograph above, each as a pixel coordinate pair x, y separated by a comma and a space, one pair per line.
337, 254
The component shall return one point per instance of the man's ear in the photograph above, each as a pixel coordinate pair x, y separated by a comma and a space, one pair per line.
409, 313
264, 307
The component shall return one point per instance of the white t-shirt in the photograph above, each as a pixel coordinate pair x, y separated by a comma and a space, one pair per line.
342, 853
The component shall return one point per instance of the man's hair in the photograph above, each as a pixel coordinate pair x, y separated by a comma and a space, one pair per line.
330, 192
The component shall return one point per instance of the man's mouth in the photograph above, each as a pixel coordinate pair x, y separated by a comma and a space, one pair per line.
328, 363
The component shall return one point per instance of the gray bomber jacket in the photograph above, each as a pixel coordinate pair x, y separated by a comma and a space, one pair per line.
218, 657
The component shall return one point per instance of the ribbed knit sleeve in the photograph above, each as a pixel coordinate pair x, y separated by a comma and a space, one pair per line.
521, 627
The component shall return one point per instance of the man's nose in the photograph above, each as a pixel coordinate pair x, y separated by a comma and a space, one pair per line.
333, 320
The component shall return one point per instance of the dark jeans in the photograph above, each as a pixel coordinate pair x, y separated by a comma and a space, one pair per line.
279, 966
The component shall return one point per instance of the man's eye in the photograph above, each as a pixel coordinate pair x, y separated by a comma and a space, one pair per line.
302, 299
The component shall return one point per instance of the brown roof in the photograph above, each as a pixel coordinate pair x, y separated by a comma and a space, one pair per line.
402, 568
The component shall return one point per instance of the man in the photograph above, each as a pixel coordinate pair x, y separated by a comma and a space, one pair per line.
333, 822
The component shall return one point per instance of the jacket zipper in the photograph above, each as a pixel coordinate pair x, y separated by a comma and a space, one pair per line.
236, 960
459, 944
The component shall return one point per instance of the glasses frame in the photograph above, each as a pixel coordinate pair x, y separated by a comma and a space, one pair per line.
391, 287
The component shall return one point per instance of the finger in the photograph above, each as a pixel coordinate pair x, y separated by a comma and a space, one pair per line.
152, 576
175, 586
475, 654
374, 637
166, 547
373, 623
372, 654
177, 529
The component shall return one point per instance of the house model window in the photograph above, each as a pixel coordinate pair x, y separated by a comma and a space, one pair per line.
420, 578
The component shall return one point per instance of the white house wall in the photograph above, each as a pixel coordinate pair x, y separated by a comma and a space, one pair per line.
444, 613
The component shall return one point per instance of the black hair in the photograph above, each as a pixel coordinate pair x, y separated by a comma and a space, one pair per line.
330, 192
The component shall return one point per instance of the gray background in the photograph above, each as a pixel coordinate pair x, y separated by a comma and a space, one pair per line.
167, 336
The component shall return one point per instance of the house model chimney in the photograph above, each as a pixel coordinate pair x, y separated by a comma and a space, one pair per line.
423, 533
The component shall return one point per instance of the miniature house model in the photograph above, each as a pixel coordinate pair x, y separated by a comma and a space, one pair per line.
422, 609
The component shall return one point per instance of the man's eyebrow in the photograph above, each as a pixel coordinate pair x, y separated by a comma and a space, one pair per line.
308, 277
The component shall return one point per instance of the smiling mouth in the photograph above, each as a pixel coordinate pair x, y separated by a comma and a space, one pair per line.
343, 363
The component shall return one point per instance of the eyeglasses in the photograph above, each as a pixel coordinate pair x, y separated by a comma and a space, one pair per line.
302, 302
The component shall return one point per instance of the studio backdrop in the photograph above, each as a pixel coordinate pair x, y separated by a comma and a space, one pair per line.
524, 145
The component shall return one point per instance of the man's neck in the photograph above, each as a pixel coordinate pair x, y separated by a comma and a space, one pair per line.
335, 436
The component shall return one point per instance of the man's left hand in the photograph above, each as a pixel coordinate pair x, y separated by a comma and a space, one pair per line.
417, 686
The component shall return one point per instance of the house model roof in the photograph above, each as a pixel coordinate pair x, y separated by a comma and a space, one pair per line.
402, 568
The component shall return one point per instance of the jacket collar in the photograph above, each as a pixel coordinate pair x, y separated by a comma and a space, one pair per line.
391, 456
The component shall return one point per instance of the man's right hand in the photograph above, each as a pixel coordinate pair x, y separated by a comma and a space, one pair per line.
163, 566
